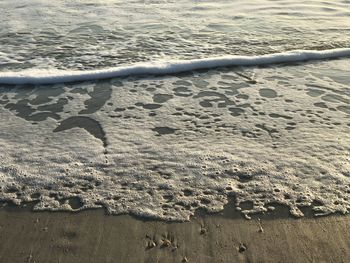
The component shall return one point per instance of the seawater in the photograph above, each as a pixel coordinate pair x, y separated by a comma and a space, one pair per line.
81, 128
95, 34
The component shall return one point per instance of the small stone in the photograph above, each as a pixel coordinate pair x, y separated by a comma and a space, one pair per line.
151, 244
166, 243
203, 231
242, 248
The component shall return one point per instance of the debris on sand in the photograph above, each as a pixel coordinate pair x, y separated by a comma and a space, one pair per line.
166, 243
242, 248
151, 244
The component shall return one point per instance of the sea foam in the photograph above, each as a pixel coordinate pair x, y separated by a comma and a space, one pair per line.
38, 76
163, 147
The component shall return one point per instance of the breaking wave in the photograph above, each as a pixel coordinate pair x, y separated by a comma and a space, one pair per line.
43, 76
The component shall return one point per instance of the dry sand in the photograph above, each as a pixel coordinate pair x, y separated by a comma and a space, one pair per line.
92, 236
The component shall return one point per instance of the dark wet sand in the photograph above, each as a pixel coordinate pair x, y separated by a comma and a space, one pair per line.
92, 236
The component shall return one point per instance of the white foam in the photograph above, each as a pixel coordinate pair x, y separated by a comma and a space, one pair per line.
287, 149
36, 76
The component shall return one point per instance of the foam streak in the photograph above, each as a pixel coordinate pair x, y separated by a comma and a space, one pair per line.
35, 76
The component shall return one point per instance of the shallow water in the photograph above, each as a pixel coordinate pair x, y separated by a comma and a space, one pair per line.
165, 146
97, 34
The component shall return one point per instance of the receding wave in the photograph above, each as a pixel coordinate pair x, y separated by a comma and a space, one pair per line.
164, 147
39, 76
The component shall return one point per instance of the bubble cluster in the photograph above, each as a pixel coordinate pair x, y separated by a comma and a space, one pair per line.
165, 146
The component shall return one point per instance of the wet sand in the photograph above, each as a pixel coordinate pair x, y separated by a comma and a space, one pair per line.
92, 236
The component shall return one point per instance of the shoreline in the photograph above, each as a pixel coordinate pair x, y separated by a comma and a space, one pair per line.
93, 236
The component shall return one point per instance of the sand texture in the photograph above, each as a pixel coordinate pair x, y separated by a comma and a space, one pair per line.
92, 236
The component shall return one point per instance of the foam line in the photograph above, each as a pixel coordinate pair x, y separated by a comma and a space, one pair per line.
34, 76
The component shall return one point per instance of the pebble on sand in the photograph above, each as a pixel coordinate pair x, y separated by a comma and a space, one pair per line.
151, 244
166, 243
242, 248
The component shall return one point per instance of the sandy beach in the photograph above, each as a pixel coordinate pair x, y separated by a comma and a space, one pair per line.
174, 131
93, 236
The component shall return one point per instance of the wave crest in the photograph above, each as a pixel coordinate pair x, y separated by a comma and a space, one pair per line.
37, 77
